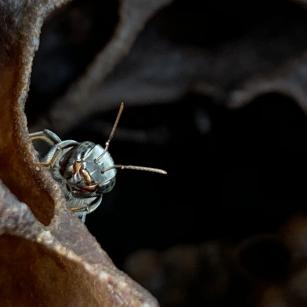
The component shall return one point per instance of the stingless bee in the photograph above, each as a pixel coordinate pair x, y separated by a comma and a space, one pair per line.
85, 171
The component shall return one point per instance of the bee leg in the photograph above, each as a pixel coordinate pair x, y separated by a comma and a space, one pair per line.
50, 162
56, 151
45, 135
94, 205
81, 212
82, 217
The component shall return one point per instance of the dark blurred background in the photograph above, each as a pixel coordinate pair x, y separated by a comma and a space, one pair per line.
215, 94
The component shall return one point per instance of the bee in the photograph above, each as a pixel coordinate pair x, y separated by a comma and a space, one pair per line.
85, 171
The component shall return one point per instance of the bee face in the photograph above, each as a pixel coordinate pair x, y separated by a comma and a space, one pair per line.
84, 172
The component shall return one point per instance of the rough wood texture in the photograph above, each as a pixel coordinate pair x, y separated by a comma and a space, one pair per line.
39, 269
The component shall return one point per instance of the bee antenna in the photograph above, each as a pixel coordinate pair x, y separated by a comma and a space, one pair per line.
107, 144
120, 111
137, 168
